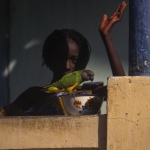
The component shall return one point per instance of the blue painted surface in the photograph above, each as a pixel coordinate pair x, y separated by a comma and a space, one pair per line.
139, 37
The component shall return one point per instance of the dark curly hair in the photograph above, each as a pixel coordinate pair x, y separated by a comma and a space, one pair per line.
57, 41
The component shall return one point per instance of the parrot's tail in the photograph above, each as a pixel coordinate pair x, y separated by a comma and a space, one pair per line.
49, 85
53, 90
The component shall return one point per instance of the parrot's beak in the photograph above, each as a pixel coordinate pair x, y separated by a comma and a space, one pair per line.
91, 78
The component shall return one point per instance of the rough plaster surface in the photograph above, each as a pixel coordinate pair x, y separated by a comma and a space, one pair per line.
128, 122
53, 132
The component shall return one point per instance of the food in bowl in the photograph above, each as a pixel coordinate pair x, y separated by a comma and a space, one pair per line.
82, 104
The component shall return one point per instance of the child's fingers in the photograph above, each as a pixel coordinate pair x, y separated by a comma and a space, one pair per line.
104, 21
116, 11
122, 9
119, 11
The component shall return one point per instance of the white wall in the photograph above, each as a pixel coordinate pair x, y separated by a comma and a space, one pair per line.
33, 20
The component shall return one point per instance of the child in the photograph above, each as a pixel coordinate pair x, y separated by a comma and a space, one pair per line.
65, 51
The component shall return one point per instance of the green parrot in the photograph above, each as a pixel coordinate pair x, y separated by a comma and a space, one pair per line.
70, 81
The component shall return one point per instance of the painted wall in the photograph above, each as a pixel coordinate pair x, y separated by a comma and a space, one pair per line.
33, 20
4, 47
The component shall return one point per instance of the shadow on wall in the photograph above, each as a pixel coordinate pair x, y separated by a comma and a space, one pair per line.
35, 20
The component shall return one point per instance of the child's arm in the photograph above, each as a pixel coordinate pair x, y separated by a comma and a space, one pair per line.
105, 28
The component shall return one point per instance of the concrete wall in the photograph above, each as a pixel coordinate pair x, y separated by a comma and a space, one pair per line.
84, 132
128, 117
33, 20
127, 123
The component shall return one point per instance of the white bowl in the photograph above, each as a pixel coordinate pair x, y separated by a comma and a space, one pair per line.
82, 104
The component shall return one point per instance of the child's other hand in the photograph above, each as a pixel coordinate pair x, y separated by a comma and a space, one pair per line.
107, 23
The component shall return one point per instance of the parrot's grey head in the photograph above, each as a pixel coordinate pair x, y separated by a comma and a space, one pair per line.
87, 75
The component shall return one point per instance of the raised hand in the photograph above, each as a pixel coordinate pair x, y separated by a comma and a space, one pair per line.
107, 23
105, 28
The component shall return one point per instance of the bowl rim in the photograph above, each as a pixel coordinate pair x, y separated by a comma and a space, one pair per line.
78, 95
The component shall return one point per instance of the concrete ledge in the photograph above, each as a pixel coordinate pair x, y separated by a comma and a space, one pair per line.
128, 122
53, 132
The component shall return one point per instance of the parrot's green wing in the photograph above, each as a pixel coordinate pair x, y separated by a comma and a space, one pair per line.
71, 80
67, 82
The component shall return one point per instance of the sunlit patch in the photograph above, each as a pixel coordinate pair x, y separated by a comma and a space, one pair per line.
32, 43
10, 68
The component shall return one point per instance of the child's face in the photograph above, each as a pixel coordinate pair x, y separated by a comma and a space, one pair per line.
66, 64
